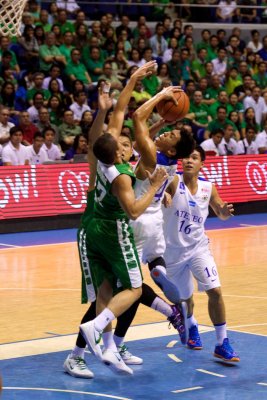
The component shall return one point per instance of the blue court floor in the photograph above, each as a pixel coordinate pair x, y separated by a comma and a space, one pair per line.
187, 375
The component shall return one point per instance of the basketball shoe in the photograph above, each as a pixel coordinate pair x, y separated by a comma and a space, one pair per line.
128, 357
178, 318
194, 341
77, 367
114, 361
92, 338
226, 352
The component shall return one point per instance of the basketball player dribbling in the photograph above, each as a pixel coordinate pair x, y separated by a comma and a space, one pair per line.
187, 248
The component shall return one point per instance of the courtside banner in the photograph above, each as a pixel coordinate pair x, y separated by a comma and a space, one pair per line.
46, 190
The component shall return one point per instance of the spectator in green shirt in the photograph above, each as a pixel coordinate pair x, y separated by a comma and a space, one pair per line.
261, 76
67, 45
151, 83
4, 46
76, 69
220, 122
94, 63
65, 26
213, 48
49, 53
205, 42
215, 87
44, 21
175, 69
235, 105
68, 130
38, 80
201, 116
222, 100
198, 65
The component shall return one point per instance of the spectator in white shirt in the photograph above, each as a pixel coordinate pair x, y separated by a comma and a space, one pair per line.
70, 6
79, 105
38, 102
228, 145
220, 65
36, 154
212, 145
14, 153
248, 144
255, 44
52, 151
261, 140
54, 73
225, 10
5, 126
257, 102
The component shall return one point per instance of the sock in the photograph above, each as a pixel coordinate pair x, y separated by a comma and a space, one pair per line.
162, 307
191, 321
221, 333
161, 268
108, 341
78, 352
118, 340
103, 319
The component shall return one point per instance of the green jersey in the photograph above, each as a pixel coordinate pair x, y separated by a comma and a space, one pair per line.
88, 212
106, 205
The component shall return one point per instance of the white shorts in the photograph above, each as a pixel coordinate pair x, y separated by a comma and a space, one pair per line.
148, 236
198, 263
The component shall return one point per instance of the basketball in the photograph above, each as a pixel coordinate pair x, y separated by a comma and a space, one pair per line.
171, 112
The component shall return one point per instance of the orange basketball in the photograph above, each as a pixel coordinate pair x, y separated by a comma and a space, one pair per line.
171, 112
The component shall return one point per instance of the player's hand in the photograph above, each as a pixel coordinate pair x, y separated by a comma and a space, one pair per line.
104, 98
167, 200
227, 210
168, 93
145, 70
158, 177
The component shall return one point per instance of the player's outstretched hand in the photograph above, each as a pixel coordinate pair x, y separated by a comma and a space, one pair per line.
104, 98
227, 210
158, 177
145, 70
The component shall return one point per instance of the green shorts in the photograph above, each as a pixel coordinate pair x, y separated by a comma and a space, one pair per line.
112, 253
88, 287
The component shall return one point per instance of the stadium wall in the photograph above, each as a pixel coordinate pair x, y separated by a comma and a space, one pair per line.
54, 196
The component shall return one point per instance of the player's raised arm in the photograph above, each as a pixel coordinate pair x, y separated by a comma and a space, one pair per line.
117, 118
145, 144
96, 130
222, 209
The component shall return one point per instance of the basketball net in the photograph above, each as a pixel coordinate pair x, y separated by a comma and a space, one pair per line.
10, 16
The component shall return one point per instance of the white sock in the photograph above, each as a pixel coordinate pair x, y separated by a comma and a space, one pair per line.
78, 352
191, 321
103, 319
118, 340
108, 341
162, 307
221, 333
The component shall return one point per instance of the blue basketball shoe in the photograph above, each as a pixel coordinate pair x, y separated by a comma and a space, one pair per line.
225, 352
194, 341
178, 318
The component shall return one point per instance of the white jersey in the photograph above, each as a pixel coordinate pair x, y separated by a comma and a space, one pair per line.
141, 187
184, 220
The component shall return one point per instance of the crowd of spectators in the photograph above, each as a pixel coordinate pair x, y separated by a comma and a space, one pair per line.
49, 80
